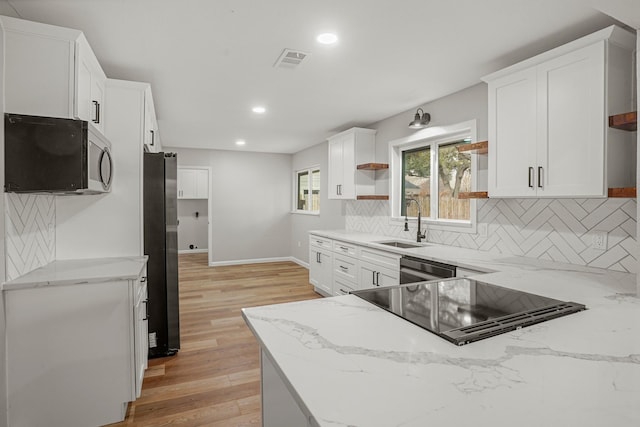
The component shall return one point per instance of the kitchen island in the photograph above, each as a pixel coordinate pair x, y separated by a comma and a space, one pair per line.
344, 361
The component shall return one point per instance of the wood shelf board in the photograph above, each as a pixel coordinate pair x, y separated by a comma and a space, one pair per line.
624, 121
372, 197
373, 166
481, 147
623, 192
474, 195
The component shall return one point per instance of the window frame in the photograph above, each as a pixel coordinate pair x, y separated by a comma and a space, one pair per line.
433, 136
296, 180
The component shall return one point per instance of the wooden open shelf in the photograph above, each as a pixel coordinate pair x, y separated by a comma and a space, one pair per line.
373, 166
624, 121
623, 192
372, 197
476, 148
474, 195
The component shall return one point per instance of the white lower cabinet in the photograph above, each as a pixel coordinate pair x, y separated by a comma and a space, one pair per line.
354, 267
320, 264
372, 275
75, 354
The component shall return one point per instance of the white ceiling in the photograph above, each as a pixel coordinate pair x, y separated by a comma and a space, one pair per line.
210, 61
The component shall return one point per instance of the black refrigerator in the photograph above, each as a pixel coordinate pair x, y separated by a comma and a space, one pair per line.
161, 245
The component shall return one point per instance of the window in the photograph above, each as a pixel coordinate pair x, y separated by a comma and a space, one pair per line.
428, 173
307, 199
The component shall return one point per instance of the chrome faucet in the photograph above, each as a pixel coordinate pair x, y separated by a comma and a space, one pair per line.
419, 235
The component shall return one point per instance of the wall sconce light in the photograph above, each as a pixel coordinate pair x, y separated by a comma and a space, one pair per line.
421, 120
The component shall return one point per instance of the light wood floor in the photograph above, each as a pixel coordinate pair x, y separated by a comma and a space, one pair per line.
214, 380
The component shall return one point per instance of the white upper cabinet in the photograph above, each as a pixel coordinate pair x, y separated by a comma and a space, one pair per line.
347, 150
548, 134
193, 183
151, 134
91, 82
52, 71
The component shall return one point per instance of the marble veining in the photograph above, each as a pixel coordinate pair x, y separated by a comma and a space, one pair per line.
351, 363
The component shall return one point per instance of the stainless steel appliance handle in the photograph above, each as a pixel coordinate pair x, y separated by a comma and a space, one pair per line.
404, 272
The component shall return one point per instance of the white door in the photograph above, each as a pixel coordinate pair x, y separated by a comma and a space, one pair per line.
335, 176
571, 124
512, 135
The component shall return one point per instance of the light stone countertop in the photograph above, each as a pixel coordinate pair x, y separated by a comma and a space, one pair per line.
349, 363
80, 271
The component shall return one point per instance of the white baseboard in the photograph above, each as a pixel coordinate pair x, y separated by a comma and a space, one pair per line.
193, 251
252, 261
300, 262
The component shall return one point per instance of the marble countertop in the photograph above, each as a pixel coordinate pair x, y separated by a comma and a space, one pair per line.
349, 363
81, 271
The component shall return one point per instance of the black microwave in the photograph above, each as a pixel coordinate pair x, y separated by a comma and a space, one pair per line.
55, 155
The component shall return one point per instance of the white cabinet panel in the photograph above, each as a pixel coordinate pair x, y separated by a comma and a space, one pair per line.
347, 150
51, 71
193, 183
279, 407
547, 120
70, 353
320, 265
512, 126
571, 118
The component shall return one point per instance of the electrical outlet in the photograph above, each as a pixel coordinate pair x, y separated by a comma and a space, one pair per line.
483, 229
599, 240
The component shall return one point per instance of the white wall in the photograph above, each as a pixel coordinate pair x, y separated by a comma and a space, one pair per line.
251, 203
193, 230
332, 212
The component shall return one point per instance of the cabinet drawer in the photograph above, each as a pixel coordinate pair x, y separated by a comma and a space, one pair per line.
380, 258
342, 287
345, 248
320, 242
346, 268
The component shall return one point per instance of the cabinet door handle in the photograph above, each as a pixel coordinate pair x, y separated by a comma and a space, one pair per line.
377, 278
343, 268
143, 279
344, 249
540, 176
342, 290
96, 117
530, 177
373, 278
153, 137
146, 309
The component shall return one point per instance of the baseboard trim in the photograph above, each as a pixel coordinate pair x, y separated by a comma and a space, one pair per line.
251, 261
300, 262
192, 251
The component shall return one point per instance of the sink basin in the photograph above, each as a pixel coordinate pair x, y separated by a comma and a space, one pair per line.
403, 245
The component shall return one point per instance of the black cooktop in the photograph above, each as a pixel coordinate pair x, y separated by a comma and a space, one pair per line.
464, 310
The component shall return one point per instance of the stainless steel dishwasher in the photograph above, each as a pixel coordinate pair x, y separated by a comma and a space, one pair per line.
414, 270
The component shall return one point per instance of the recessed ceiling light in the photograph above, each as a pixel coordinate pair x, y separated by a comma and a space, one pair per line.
259, 110
240, 142
327, 38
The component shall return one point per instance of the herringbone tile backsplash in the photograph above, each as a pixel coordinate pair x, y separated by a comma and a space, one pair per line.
551, 229
30, 232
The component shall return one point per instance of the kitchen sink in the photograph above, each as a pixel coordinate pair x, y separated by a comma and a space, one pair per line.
403, 245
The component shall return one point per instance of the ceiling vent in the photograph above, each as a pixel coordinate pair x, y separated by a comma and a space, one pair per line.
290, 59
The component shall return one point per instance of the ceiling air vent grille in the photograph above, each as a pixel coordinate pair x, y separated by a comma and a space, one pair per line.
290, 58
